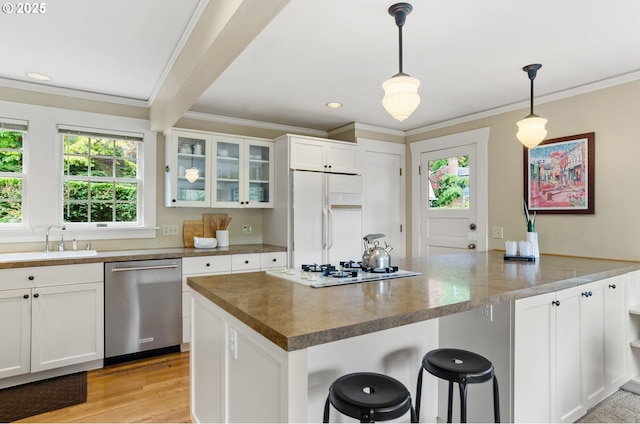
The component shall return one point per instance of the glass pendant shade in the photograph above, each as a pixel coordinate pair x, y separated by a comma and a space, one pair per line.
401, 96
531, 130
192, 174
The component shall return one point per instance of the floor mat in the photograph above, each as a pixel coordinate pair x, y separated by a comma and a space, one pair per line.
620, 407
42, 396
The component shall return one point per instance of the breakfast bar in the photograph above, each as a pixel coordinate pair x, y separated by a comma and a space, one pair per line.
266, 349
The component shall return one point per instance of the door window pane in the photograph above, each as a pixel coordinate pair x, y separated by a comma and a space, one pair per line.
449, 183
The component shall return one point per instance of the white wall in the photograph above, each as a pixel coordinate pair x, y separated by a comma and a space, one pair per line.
612, 113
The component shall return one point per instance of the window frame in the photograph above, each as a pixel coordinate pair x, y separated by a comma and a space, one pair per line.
12, 125
42, 204
109, 135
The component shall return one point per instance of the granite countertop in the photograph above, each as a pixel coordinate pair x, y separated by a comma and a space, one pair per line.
132, 255
294, 316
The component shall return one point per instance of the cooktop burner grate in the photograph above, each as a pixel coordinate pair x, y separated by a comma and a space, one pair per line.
318, 268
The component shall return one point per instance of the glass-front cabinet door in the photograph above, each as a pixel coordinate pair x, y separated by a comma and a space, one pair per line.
259, 173
188, 169
228, 154
243, 170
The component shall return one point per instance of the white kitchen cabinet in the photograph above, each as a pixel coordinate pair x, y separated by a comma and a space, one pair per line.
233, 171
51, 317
187, 150
272, 260
15, 332
249, 262
243, 172
578, 335
193, 267
602, 311
615, 332
222, 264
315, 154
67, 325
547, 371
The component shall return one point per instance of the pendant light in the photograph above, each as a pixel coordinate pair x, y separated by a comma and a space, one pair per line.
192, 174
531, 129
400, 91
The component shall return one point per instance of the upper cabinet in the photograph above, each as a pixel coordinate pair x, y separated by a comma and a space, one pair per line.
313, 154
232, 171
188, 167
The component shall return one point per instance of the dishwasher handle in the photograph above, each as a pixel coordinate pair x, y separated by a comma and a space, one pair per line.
144, 268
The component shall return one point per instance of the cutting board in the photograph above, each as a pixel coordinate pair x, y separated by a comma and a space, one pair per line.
209, 223
191, 229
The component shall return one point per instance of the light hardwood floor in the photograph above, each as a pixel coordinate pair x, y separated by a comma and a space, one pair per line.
153, 390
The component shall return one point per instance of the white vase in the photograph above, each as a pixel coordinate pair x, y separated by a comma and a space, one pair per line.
533, 238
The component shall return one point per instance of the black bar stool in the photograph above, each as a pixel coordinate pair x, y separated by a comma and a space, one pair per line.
369, 397
462, 367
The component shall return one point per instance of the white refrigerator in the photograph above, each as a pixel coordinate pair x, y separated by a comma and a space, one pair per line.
325, 224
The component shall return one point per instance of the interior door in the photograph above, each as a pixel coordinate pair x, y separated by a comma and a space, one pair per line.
448, 200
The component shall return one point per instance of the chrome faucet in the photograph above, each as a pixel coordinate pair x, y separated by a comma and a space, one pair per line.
46, 236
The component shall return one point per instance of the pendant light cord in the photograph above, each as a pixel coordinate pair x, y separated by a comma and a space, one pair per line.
400, 48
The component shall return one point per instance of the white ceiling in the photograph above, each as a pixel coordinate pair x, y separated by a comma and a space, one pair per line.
468, 54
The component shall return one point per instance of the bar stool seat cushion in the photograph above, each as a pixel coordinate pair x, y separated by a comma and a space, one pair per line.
370, 396
454, 364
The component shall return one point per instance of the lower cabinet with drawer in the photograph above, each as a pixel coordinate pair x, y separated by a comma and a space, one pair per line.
222, 264
50, 317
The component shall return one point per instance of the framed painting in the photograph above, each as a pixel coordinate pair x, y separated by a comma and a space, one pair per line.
559, 175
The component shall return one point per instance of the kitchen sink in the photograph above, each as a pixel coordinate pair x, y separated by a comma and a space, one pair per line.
32, 256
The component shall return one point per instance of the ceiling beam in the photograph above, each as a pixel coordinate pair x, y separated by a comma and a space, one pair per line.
224, 30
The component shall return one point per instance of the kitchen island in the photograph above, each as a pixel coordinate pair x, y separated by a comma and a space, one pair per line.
266, 349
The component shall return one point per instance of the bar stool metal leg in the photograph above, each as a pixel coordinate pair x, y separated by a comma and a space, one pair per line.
496, 400
463, 401
419, 395
450, 403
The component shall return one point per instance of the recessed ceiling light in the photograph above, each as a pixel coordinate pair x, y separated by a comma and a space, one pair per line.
334, 105
38, 76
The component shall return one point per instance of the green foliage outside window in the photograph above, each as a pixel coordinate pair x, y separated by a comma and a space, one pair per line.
10, 186
100, 180
449, 189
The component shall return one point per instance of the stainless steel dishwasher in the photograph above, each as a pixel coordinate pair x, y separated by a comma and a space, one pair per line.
143, 309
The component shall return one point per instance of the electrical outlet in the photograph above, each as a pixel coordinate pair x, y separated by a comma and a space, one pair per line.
496, 232
169, 230
246, 229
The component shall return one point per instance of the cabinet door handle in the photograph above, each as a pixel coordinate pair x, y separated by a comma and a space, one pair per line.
555, 302
31, 278
26, 296
612, 286
36, 295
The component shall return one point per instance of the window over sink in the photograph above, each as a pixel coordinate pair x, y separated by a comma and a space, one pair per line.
113, 178
100, 178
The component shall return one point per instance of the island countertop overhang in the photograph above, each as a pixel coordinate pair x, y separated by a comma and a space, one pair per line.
294, 316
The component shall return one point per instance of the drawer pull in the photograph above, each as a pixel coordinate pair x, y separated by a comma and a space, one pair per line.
555, 303
246, 262
274, 260
31, 278
612, 286
208, 264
